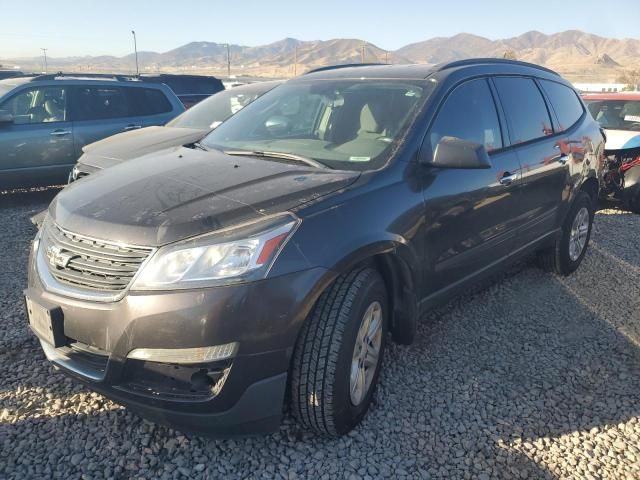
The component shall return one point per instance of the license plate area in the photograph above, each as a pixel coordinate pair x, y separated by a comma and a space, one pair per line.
47, 322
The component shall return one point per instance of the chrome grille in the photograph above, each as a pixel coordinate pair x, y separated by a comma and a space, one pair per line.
91, 264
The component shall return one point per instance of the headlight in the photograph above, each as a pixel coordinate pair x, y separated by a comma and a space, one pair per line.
237, 254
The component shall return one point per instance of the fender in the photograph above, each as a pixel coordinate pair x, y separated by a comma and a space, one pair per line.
392, 255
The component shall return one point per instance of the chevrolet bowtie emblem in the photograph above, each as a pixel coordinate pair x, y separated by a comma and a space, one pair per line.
58, 258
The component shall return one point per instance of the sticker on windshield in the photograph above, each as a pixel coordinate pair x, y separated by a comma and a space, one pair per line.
632, 118
359, 159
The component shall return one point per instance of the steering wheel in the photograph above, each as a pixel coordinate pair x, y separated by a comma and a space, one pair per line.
635, 126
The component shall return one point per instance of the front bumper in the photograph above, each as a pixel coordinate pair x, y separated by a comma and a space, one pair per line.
239, 395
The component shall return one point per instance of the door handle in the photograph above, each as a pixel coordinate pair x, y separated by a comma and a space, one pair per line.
131, 127
60, 133
508, 178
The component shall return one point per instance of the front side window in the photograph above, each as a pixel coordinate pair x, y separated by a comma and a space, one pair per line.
344, 124
565, 103
37, 105
469, 113
616, 114
525, 108
99, 103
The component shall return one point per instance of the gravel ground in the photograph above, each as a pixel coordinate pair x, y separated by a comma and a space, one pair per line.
533, 377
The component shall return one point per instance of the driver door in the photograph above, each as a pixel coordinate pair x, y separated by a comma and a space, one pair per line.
37, 146
471, 215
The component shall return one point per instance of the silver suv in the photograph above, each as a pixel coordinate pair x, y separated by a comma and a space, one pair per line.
46, 120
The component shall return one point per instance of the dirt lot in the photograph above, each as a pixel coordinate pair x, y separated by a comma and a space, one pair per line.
533, 377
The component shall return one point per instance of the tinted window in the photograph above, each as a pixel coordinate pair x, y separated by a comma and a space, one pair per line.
525, 108
98, 103
148, 101
565, 103
38, 105
469, 113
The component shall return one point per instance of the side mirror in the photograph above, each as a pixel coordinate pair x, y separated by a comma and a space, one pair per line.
5, 117
277, 125
453, 152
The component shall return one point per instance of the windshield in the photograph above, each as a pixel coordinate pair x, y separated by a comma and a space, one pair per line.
616, 114
343, 124
216, 109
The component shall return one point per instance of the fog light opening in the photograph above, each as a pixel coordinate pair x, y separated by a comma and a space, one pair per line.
201, 380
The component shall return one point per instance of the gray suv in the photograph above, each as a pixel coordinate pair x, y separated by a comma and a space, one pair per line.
46, 120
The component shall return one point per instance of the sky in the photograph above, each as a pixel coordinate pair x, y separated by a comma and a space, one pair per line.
89, 27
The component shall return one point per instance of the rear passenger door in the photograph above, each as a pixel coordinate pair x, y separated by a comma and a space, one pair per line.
472, 216
99, 111
541, 154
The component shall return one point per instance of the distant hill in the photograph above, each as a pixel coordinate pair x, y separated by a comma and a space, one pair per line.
577, 54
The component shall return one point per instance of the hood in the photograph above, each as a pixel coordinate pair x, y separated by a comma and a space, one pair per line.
135, 143
622, 139
176, 194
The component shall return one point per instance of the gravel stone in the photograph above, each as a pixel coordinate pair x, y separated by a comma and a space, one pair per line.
532, 376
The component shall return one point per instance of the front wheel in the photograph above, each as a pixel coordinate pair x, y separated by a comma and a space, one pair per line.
338, 356
569, 248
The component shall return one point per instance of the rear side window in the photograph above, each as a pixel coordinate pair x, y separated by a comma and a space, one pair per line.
148, 101
565, 103
100, 103
469, 113
525, 108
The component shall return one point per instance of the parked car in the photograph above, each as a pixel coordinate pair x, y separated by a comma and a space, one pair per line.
186, 128
46, 120
619, 115
190, 89
203, 286
10, 74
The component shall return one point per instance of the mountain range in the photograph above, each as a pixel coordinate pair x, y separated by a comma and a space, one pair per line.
576, 54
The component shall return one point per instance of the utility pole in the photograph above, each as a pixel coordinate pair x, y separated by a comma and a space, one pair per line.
362, 56
228, 61
44, 51
135, 48
386, 58
295, 63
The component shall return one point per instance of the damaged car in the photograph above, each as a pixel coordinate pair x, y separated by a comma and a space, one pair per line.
619, 115
209, 285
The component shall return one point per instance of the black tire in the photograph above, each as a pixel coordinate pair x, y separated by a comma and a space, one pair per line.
556, 258
320, 385
633, 198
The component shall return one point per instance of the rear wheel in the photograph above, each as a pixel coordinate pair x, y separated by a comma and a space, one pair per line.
569, 248
339, 353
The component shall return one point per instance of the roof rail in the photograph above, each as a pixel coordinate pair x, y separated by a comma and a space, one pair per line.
504, 61
105, 76
344, 65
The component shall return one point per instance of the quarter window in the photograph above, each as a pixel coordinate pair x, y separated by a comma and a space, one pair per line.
469, 113
148, 101
38, 105
565, 103
525, 108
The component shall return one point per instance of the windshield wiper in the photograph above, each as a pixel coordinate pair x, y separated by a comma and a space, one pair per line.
283, 155
199, 146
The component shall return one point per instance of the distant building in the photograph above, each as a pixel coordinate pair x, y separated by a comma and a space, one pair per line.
600, 87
